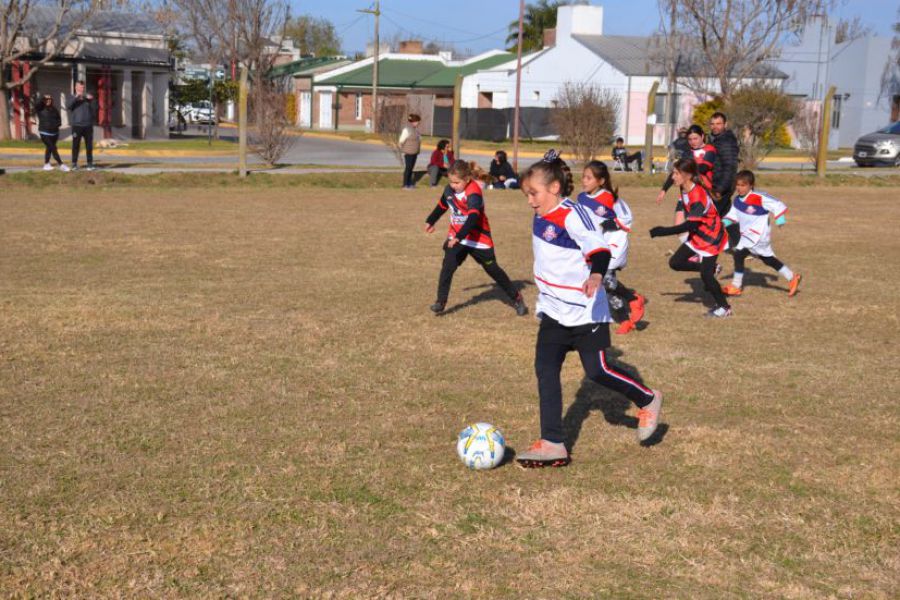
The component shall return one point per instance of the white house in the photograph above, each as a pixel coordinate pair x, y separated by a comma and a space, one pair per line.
582, 53
855, 68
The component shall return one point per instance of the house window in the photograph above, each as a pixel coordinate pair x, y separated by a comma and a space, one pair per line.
660, 108
359, 107
536, 95
836, 112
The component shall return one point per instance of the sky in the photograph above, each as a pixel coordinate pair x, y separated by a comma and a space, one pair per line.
480, 25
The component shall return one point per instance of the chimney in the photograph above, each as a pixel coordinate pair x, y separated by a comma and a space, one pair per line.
549, 37
410, 47
579, 19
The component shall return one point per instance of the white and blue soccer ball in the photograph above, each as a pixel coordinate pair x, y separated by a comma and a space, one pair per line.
480, 446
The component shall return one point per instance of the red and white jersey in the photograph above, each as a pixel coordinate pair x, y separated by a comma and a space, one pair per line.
604, 206
709, 238
564, 240
752, 212
462, 204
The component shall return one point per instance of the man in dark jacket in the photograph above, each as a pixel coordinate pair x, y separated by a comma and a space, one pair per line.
81, 118
726, 168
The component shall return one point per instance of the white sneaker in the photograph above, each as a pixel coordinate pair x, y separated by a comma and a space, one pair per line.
648, 417
48, 167
64, 168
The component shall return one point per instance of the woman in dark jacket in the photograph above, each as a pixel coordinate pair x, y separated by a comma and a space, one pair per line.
49, 122
502, 175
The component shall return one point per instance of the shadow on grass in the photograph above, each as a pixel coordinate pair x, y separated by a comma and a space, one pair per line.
612, 405
509, 456
492, 293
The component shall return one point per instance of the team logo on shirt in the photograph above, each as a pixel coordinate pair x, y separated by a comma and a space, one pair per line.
750, 209
550, 233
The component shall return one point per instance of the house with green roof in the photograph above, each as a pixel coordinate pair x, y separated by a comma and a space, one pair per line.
296, 78
342, 97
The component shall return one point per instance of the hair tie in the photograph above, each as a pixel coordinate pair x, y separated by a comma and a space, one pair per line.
551, 156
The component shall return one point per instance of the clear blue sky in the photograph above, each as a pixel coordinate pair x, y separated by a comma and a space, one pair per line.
480, 25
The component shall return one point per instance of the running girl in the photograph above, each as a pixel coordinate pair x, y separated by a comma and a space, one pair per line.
570, 259
614, 220
751, 210
705, 156
705, 233
469, 233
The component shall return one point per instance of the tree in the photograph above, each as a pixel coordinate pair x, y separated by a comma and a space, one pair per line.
714, 45
758, 114
391, 121
890, 78
586, 118
314, 36
806, 125
36, 31
538, 17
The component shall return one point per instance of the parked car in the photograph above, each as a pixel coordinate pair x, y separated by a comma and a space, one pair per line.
881, 148
202, 112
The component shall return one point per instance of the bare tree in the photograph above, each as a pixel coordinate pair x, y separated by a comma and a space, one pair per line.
585, 118
720, 43
38, 31
270, 136
890, 78
806, 125
848, 30
758, 113
391, 121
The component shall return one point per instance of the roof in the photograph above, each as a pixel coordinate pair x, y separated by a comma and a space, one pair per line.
427, 72
632, 55
111, 53
307, 66
42, 18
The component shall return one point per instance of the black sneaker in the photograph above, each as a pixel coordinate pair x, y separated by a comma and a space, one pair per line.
74, 167
437, 307
519, 305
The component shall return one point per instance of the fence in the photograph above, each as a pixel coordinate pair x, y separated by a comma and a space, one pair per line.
495, 124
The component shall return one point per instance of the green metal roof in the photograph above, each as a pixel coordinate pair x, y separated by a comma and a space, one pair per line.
305, 66
401, 73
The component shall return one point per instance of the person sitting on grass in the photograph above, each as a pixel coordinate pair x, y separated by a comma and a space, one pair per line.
503, 177
621, 156
441, 159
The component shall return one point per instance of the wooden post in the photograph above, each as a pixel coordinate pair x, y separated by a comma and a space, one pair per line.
242, 123
824, 131
651, 121
457, 97
518, 89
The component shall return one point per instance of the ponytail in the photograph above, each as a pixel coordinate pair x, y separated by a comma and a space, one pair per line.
553, 168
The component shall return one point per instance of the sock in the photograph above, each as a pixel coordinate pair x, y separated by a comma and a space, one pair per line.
738, 279
786, 272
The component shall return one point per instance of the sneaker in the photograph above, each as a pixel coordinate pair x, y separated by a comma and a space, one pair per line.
794, 285
636, 307
719, 312
731, 290
648, 417
437, 307
544, 454
48, 167
64, 168
625, 327
74, 167
519, 305
90, 167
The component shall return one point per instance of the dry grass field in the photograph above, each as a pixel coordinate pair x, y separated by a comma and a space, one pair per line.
241, 393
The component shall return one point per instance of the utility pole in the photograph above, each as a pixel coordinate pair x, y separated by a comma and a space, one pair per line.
824, 131
377, 12
518, 89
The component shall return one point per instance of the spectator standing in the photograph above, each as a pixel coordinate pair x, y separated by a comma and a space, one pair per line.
503, 177
82, 110
680, 147
49, 122
410, 145
441, 160
725, 171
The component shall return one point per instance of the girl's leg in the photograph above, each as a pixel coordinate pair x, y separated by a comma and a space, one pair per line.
53, 149
409, 164
681, 260
708, 274
488, 261
453, 257
776, 264
548, 360
737, 280
598, 370
47, 151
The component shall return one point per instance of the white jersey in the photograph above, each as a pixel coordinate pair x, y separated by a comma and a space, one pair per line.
752, 212
564, 240
604, 206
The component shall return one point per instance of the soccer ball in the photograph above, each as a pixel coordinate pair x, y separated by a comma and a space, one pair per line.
480, 446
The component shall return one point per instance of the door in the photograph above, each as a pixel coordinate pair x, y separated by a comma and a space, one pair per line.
325, 108
305, 117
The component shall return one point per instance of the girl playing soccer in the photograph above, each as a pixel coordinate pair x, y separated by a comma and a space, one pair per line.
469, 233
751, 210
614, 220
705, 156
570, 259
705, 233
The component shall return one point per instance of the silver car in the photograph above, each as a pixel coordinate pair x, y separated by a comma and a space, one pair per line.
881, 148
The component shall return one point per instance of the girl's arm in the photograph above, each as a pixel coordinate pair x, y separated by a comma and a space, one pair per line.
776, 207
403, 135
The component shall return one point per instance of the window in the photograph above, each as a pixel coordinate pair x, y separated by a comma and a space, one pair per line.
836, 112
660, 108
359, 107
536, 95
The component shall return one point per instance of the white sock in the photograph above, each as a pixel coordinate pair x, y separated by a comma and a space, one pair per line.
786, 272
737, 280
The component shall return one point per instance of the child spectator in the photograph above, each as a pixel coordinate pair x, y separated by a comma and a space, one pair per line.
751, 210
621, 156
570, 259
469, 233
440, 162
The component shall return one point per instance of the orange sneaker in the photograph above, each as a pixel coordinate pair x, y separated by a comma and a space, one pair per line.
544, 453
636, 307
648, 417
794, 285
625, 327
730, 290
